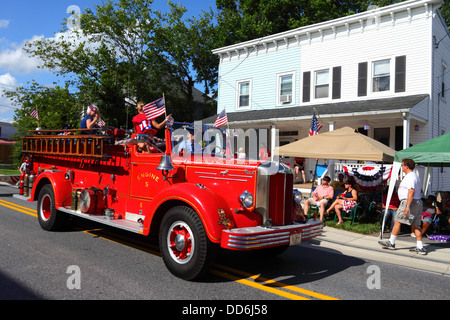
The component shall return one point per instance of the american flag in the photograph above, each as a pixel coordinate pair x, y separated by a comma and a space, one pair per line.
221, 119
315, 126
34, 113
155, 109
101, 122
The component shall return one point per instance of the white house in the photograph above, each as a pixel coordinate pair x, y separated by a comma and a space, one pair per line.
7, 130
386, 69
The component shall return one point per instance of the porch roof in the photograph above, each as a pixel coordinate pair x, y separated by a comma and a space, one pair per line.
326, 110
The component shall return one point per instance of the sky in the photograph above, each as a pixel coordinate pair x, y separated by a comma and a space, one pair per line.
22, 21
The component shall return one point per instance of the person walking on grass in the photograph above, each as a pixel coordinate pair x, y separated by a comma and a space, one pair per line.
410, 209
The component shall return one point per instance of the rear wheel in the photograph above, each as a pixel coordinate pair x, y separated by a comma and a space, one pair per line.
49, 218
185, 247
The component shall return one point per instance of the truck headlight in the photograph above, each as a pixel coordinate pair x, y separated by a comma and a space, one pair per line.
246, 199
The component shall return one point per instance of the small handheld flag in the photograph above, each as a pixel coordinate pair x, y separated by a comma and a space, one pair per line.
155, 109
101, 122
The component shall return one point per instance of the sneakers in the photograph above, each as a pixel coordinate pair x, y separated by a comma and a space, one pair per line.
387, 244
419, 251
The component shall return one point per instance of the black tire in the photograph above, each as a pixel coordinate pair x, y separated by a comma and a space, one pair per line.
186, 250
49, 218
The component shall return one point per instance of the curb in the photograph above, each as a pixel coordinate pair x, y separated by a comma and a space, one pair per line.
361, 246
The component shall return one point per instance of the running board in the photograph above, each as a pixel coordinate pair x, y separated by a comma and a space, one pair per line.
127, 225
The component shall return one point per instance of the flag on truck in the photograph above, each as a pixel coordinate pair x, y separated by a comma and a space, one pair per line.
154, 109
34, 113
101, 122
315, 126
221, 119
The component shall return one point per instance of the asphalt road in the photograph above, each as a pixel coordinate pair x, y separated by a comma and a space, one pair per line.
89, 262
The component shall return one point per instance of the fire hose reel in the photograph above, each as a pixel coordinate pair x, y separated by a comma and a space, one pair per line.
91, 201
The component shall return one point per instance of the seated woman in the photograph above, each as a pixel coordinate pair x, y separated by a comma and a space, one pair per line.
346, 201
431, 209
90, 120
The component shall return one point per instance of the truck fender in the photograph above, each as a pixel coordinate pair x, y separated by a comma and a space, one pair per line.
62, 187
204, 201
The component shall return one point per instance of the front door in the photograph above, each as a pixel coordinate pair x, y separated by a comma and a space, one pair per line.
145, 181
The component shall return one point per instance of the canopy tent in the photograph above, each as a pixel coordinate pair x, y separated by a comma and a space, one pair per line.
340, 144
431, 153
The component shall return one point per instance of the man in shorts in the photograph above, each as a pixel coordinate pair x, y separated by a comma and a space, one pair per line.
320, 197
410, 209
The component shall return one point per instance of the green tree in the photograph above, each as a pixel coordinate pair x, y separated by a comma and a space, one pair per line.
56, 107
123, 51
445, 10
187, 46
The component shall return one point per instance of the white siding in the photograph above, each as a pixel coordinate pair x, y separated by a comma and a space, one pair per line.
440, 115
368, 43
263, 71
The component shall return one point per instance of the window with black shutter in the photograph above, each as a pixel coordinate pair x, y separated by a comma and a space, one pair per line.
400, 74
306, 86
336, 83
362, 79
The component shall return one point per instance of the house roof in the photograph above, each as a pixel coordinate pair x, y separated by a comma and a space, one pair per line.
321, 26
350, 108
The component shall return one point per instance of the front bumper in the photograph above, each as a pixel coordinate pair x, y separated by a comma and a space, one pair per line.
259, 237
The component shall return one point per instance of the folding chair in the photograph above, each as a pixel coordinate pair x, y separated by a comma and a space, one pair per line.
352, 214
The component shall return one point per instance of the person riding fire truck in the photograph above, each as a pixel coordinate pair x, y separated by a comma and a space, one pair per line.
195, 203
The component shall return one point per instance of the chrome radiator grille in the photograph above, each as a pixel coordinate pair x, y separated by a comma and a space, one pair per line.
274, 193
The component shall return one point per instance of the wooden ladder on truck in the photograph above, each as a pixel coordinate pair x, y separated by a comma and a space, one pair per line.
85, 146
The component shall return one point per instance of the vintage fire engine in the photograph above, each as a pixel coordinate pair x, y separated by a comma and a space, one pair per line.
194, 206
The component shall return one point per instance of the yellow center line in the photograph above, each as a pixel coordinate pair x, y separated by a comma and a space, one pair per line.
257, 285
277, 283
225, 272
16, 207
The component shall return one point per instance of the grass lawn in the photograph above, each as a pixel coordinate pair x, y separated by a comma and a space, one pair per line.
9, 171
369, 228
361, 225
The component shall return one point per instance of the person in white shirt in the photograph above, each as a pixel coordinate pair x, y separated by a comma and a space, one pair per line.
188, 146
410, 209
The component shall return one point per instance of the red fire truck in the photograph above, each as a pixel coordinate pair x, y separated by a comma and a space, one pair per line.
194, 205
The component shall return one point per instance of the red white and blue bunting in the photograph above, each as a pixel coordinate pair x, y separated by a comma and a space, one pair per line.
369, 176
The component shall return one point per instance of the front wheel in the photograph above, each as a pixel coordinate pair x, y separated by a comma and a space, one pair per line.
186, 250
49, 218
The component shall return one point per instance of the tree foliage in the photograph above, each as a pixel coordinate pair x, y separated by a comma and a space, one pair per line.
125, 52
56, 107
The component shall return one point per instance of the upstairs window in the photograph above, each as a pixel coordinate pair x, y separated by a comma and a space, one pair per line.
381, 75
285, 88
243, 100
322, 84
